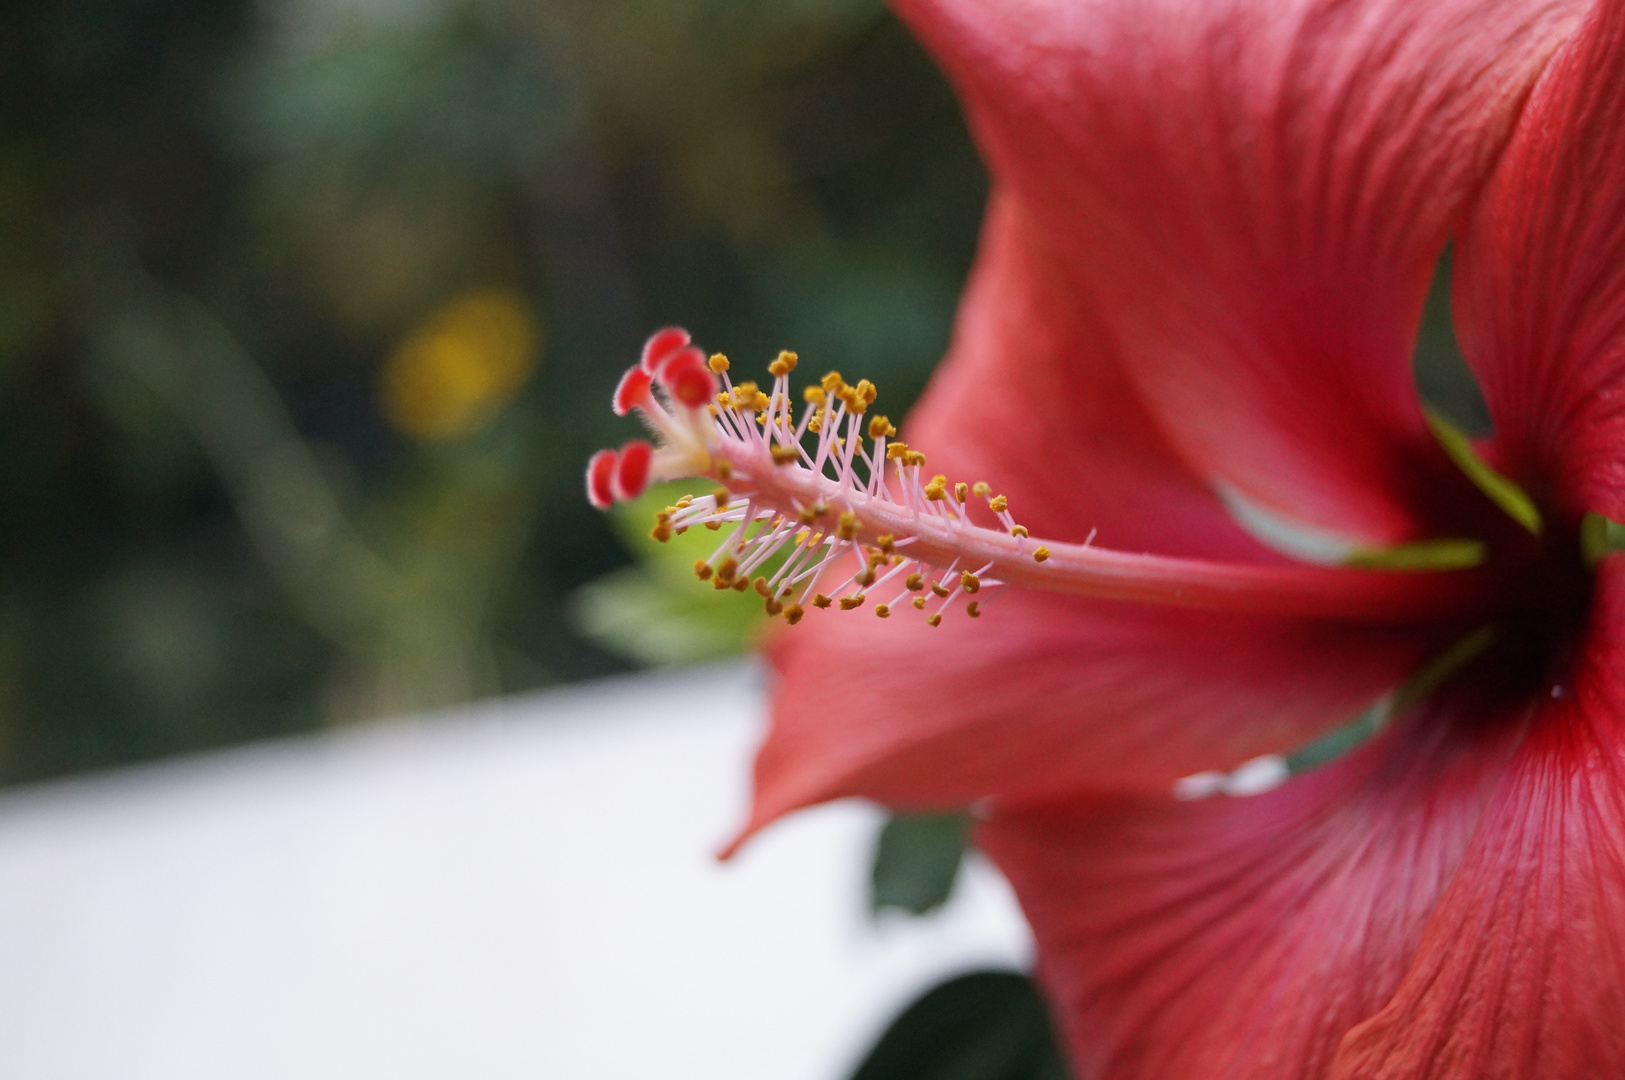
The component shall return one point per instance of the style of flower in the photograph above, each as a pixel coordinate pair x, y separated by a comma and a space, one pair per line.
1189, 334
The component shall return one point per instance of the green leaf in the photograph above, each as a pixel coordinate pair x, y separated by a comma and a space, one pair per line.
987, 1025
658, 612
917, 860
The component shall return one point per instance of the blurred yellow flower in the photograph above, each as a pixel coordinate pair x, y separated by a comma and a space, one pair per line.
461, 365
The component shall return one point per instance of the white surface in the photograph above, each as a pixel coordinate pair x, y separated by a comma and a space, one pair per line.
525, 890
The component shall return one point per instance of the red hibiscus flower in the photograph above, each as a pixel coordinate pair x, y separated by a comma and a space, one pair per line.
1184, 358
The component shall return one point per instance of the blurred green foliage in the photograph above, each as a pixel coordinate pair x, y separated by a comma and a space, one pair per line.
916, 861
310, 311
983, 1025
655, 610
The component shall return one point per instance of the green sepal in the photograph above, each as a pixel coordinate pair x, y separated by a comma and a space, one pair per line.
1501, 491
1448, 554
1599, 536
1422, 682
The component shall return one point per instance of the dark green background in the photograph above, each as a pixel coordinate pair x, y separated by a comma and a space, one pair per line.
217, 221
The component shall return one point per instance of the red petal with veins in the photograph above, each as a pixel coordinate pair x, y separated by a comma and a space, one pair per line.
1242, 938
1540, 286
1032, 398
1252, 196
1048, 694
1521, 973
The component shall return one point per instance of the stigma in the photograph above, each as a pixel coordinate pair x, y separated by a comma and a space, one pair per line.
816, 502
818, 505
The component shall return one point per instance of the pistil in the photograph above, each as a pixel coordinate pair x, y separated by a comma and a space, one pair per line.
850, 519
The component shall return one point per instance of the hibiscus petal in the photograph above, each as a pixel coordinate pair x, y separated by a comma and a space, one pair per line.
1242, 938
1032, 398
1048, 694
1540, 287
1521, 972
1253, 196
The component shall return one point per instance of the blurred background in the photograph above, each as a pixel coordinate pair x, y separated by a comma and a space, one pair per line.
310, 311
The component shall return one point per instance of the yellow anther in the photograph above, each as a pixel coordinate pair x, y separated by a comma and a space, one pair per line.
813, 395
783, 455
760, 585
936, 490
882, 610
719, 584
969, 581
725, 399
726, 570
821, 601
938, 588
980, 489
810, 514
1018, 530
793, 614
772, 606
881, 428
833, 383
702, 569
848, 603
723, 497
915, 582
847, 529
816, 424
875, 558
718, 363
859, 397
713, 525
933, 620
1041, 554
741, 585
887, 543
785, 363
724, 469
865, 578
998, 504
759, 402
896, 450
661, 531
973, 609
914, 458
961, 489
919, 603
685, 502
